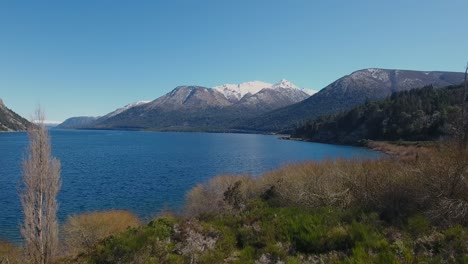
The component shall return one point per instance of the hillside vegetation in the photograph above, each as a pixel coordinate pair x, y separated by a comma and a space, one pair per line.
417, 115
342, 211
347, 92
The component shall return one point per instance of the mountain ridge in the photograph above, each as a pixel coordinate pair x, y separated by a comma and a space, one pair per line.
198, 107
11, 121
348, 91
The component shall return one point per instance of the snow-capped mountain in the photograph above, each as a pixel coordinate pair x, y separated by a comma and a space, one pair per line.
235, 92
197, 107
202, 108
284, 84
351, 90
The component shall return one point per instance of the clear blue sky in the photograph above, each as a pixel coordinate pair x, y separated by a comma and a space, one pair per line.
89, 57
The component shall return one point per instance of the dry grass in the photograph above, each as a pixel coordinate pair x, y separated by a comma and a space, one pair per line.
82, 232
434, 182
10, 253
401, 151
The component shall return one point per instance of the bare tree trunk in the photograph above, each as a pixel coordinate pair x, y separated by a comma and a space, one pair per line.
464, 118
41, 183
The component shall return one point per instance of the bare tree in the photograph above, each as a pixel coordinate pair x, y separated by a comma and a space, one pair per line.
38, 194
464, 120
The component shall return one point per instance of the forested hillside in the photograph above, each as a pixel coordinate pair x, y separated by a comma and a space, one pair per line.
348, 92
420, 114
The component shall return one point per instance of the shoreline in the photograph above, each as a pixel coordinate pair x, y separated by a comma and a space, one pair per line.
406, 150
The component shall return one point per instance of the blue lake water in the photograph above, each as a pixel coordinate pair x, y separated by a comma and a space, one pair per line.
146, 172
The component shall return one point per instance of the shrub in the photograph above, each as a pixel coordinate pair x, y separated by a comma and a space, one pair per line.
220, 194
307, 185
142, 244
82, 232
443, 181
418, 225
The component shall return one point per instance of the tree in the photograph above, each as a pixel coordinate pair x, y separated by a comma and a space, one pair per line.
464, 120
38, 194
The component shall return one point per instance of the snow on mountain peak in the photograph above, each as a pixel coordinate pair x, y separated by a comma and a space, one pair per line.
237, 91
285, 84
125, 108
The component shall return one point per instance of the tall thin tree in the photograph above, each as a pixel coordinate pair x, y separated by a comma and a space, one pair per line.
464, 120
38, 194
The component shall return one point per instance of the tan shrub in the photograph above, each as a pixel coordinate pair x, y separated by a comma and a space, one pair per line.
210, 197
310, 184
443, 178
387, 186
83, 231
10, 253
434, 182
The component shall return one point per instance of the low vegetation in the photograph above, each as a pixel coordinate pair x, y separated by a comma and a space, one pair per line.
343, 211
10, 253
82, 232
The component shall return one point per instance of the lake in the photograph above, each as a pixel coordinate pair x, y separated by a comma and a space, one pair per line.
146, 172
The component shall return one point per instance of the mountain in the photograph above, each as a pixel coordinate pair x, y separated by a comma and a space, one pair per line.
419, 114
78, 122
123, 109
206, 109
275, 96
235, 92
185, 106
10, 121
89, 121
347, 92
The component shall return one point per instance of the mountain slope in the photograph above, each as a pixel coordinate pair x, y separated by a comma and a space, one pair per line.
185, 106
235, 92
206, 109
123, 109
10, 121
347, 92
418, 114
276, 96
78, 122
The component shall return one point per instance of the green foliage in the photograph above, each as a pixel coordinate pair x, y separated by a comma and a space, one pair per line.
146, 242
291, 235
418, 225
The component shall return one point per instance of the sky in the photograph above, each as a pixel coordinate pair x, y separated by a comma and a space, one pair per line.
89, 57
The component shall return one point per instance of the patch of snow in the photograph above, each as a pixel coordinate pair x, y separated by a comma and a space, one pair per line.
237, 91
309, 91
374, 73
125, 108
285, 84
